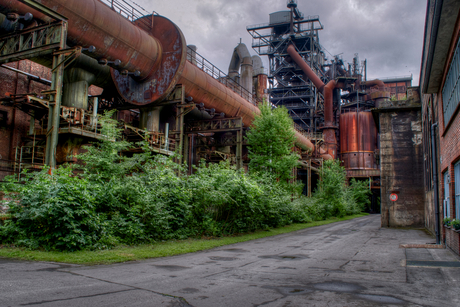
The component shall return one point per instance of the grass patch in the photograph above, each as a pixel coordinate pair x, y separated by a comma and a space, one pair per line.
160, 249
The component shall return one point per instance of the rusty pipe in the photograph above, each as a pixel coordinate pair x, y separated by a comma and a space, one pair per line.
328, 102
91, 22
329, 128
305, 68
302, 142
371, 83
204, 88
327, 90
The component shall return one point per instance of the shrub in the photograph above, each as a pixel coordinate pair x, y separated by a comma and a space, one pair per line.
54, 212
455, 224
446, 221
118, 199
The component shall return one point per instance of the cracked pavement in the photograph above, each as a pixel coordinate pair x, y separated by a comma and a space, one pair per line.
350, 263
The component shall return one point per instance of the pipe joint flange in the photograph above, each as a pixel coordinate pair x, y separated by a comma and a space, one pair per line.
163, 78
328, 126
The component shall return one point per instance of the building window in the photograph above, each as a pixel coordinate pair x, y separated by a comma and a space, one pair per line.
446, 202
457, 190
451, 89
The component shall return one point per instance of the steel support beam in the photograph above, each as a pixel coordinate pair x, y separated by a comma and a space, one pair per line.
57, 81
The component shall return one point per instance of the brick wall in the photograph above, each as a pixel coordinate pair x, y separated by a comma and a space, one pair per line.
449, 148
452, 240
16, 127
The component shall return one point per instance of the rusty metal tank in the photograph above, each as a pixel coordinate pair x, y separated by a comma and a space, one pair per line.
358, 140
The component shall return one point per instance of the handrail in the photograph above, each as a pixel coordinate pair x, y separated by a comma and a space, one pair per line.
129, 9
202, 63
267, 24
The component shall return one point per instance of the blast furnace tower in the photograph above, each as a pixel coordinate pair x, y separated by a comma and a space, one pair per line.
288, 85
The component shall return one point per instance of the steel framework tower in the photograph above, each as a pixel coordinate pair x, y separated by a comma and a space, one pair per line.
288, 86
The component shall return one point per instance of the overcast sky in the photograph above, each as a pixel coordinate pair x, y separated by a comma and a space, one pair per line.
388, 33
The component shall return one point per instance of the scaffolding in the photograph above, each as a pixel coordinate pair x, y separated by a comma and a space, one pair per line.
288, 86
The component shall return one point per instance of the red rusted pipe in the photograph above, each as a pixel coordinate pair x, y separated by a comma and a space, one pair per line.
328, 105
371, 83
261, 87
305, 68
204, 88
91, 22
329, 129
303, 142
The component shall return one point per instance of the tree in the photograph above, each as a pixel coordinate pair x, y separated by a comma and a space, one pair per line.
270, 141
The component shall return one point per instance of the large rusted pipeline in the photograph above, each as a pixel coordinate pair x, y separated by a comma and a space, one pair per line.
91, 22
155, 48
204, 88
158, 53
305, 68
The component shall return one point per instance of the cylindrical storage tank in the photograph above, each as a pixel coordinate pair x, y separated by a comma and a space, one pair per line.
358, 140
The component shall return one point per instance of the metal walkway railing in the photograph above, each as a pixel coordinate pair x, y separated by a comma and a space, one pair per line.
129, 9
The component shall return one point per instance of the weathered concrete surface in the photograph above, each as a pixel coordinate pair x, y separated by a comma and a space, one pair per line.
401, 162
353, 263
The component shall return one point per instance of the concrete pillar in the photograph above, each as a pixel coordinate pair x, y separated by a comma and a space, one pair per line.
150, 119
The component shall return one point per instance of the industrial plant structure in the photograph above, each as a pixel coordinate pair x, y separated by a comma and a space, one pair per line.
64, 62
330, 100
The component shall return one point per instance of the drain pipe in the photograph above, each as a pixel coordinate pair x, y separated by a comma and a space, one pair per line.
435, 181
30, 76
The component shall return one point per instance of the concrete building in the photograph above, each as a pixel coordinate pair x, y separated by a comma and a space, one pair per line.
440, 94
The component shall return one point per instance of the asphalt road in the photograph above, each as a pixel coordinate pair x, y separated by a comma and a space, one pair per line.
351, 263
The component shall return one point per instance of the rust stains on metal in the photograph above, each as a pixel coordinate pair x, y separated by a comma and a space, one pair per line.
358, 140
261, 87
162, 79
204, 88
329, 128
305, 68
91, 22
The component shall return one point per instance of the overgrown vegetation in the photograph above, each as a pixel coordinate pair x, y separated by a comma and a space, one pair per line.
270, 141
112, 199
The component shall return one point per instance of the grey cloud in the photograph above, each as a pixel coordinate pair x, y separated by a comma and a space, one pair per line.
388, 33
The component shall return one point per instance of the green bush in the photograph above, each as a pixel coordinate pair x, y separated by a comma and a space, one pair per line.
360, 195
334, 198
112, 199
54, 212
